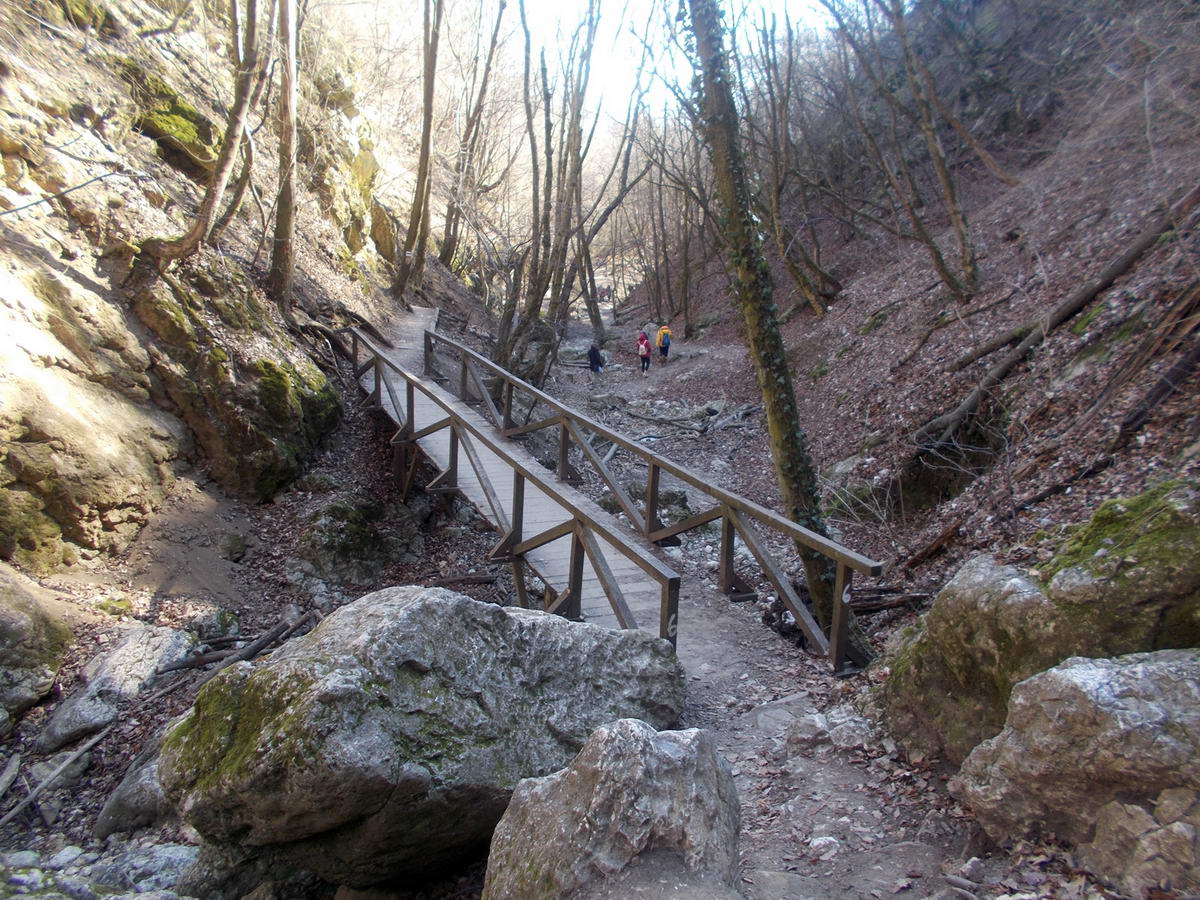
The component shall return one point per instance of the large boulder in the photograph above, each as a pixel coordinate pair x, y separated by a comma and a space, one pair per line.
388, 740
1127, 581
112, 679
33, 641
1108, 741
629, 791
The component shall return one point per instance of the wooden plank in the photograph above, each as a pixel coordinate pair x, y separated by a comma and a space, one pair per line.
623, 498
686, 525
607, 580
485, 483
550, 534
812, 631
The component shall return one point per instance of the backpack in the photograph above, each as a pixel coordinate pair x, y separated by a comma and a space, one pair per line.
643, 348
666, 341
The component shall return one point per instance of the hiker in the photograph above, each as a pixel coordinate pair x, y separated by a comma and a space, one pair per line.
595, 361
663, 341
644, 351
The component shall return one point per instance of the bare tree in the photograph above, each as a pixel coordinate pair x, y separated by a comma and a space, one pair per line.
413, 255
245, 57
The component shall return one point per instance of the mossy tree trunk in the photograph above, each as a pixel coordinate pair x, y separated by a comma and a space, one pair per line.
283, 260
753, 291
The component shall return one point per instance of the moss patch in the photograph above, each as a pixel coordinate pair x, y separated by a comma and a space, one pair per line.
28, 534
187, 138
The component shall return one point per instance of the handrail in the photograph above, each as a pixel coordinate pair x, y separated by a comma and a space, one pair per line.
660, 572
734, 511
830, 548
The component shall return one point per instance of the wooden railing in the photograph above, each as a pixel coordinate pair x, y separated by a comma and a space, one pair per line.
583, 528
737, 515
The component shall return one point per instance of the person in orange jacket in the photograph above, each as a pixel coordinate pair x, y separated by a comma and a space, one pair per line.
662, 340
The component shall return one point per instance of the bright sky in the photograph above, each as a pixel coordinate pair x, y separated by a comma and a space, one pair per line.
618, 50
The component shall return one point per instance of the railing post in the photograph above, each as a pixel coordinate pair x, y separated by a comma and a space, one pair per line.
508, 404
652, 478
573, 608
462, 378
428, 353
452, 468
839, 628
518, 506
377, 391
354, 351
515, 536
564, 444
727, 575
410, 408
668, 615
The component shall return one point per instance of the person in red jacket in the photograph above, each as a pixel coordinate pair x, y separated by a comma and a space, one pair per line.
644, 352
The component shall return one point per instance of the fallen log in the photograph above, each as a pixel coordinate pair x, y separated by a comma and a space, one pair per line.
935, 545
10, 774
49, 779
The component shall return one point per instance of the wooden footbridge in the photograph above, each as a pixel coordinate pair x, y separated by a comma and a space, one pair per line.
442, 396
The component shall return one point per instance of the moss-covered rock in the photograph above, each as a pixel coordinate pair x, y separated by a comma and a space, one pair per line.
386, 742
351, 539
256, 419
84, 454
1127, 581
187, 137
89, 14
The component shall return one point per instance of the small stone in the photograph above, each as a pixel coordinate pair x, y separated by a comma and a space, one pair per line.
972, 869
21, 859
63, 858
825, 848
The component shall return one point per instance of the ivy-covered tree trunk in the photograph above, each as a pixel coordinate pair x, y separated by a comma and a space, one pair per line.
753, 291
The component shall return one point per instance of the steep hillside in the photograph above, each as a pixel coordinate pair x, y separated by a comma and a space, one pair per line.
1097, 133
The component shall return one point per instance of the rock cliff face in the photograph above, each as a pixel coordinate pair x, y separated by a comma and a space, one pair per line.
388, 740
1126, 581
105, 396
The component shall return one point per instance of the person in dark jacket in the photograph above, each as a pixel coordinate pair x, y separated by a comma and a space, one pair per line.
595, 360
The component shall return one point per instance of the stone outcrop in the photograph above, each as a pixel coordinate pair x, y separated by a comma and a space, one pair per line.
87, 455
96, 415
1137, 847
33, 641
257, 409
1101, 752
629, 791
350, 539
111, 679
1127, 581
389, 739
